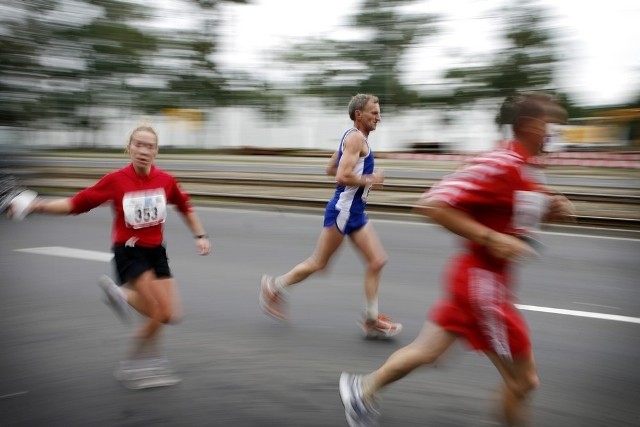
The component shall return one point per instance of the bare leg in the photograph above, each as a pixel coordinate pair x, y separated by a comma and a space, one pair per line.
520, 379
367, 242
430, 344
329, 241
157, 300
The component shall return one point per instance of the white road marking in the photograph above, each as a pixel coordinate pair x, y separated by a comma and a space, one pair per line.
597, 305
18, 393
106, 256
590, 314
593, 236
62, 251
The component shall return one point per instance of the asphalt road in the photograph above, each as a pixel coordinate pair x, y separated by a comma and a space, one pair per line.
60, 343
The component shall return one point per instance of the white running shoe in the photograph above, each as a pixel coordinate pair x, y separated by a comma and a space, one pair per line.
19, 205
272, 302
115, 298
358, 412
381, 328
146, 373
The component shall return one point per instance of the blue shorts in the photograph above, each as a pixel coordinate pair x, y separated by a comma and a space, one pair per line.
346, 222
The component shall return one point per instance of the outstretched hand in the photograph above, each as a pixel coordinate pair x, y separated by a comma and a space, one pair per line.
22, 205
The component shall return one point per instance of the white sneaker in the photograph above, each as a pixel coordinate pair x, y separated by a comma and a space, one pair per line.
273, 303
359, 413
381, 328
146, 373
115, 298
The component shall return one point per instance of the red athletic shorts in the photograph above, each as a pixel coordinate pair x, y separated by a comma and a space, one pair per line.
478, 307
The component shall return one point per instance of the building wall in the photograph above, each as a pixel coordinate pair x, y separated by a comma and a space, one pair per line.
308, 126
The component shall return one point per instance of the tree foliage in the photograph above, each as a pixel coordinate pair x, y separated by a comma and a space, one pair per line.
65, 61
526, 63
334, 69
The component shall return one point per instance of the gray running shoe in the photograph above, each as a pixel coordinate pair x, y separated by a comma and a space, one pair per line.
359, 412
115, 299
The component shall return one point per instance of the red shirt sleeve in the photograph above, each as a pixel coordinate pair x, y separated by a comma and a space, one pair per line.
179, 198
477, 185
93, 196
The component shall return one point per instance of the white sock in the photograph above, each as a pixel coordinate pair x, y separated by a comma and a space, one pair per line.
367, 392
278, 284
372, 309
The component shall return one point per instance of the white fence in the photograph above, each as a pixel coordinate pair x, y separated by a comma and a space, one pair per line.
307, 126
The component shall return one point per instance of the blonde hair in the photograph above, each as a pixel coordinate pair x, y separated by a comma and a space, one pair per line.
143, 128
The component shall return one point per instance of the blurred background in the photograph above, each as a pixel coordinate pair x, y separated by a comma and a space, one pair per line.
270, 76
211, 74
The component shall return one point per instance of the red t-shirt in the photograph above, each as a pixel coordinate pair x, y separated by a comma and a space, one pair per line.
486, 189
494, 189
139, 203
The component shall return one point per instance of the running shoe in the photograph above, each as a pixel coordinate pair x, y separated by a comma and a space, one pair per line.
146, 373
115, 298
272, 302
382, 327
359, 413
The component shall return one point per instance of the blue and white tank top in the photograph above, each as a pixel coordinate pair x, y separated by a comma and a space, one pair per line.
353, 198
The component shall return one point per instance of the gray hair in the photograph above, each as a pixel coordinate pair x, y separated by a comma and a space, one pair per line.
359, 101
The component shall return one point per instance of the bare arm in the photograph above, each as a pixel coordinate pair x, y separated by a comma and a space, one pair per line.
350, 155
500, 245
51, 206
202, 240
332, 167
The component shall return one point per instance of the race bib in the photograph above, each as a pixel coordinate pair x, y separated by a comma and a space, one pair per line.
144, 208
365, 192
528, 210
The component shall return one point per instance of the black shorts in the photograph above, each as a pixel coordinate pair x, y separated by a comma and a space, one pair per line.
132, 261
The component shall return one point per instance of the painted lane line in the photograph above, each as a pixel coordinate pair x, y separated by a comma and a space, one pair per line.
590, 314
62, 251
597, 305
10, 395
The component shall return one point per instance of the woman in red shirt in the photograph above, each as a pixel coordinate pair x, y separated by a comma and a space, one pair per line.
139, 194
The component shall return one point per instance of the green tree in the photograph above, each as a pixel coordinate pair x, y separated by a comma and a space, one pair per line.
527, 63
67, 60
334, 69
69, 56
196, 81
22, 36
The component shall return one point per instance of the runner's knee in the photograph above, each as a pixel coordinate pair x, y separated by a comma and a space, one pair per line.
531, 383
315, 264
378, 263
524, 385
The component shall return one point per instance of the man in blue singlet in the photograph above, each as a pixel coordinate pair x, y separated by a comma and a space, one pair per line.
353, 166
